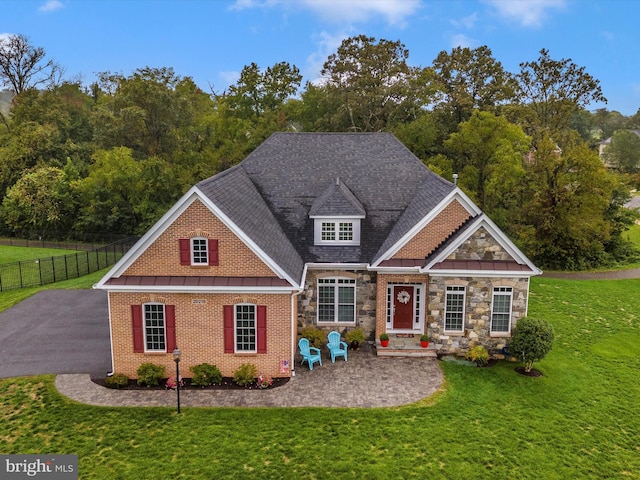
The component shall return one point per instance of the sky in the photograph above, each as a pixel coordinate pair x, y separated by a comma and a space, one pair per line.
211, 41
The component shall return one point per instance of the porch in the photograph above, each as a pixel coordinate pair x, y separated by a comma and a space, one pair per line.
407, 345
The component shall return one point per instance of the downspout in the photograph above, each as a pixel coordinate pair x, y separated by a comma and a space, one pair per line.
294, 321
110, 373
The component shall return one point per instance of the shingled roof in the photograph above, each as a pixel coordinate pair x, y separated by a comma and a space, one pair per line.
270, 195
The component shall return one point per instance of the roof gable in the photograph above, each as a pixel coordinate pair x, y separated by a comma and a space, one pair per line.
337, 201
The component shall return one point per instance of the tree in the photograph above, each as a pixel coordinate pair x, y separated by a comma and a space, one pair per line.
553, 90
40, 200
562, 221
467, 79
624, 151
489, 153
371, 85
531, 340
258, 92
23, 66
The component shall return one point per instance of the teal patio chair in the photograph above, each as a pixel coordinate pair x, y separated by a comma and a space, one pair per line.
307, 355
337, 347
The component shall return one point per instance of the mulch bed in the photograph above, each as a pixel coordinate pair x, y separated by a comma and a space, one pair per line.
227, 384
532, 373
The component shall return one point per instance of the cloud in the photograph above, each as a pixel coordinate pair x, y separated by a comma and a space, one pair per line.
50, 6
528, 13
327, 44
467, 22
461, 40
346, 11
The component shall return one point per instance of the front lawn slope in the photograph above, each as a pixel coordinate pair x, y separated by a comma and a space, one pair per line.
580, 420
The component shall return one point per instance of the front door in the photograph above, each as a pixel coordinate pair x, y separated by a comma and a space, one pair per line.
403, 306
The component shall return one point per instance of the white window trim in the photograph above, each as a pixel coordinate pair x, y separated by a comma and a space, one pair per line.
464, 306
419, 300
192, 251
509, 293
144, 326
317, 230
336, 304
235, 327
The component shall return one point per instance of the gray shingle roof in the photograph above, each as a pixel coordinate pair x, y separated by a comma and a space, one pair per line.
271, 193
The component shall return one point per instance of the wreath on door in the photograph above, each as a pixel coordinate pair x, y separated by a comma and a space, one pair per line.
404, 297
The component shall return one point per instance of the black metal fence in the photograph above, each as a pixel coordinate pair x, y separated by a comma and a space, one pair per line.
45, 270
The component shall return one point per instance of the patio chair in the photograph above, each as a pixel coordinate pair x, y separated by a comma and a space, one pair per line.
307, 353
337, 347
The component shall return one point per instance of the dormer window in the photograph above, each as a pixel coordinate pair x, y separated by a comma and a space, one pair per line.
337, 231
337, 214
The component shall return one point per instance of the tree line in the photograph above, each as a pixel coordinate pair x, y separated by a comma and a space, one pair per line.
113, 156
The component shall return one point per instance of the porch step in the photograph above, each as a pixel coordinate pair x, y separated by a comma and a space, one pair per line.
405, 347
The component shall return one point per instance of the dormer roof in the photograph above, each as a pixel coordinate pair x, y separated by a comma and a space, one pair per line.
337, 201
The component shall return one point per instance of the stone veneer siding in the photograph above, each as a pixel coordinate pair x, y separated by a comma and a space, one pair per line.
365, 302
199, 332
477, 313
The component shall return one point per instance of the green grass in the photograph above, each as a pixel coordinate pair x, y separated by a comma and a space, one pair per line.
633, 234
580, 420
16, 254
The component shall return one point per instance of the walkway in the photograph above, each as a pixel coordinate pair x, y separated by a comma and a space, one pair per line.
364, 381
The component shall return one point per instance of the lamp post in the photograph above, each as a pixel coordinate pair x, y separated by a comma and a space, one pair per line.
176, 358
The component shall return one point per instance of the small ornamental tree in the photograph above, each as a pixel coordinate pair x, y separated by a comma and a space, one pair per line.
531, 341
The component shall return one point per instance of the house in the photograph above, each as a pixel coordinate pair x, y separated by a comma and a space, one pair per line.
602, 147
334, 230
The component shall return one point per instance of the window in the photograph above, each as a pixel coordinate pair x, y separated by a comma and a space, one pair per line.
501, 310
154, 328
199, 251
336, 300
245, 326
454, 309
337, 231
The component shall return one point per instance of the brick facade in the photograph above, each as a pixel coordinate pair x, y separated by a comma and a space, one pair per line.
162, 257
435, 232
199, 332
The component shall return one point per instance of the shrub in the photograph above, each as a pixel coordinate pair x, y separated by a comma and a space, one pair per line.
317, 338
205, 374
424, 338
478, 355
245, 374
531, 341
150, 374
264, 381
117, 380
355, 335
384, 336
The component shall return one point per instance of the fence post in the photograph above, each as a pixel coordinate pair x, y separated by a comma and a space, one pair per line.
20, 271
77, 265
66, 269
53, 268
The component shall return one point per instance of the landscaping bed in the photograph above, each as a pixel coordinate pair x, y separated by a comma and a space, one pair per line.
226, 384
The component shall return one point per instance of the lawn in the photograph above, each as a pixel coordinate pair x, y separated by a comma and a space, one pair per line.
580, 420
16, 254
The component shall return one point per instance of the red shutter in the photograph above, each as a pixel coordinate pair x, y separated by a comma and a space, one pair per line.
170, 326
228, 328
262, 329
214, 257
185, 251
136, 325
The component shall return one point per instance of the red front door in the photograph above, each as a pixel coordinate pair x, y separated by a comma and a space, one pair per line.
403, 306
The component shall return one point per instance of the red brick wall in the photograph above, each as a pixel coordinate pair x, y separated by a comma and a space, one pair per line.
163, 256
199, 332
427, 239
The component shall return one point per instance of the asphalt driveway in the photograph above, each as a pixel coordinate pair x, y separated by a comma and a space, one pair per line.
56, 331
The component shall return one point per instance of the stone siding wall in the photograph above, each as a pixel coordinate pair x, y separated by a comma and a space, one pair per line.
477, 311
480, 246
365, 301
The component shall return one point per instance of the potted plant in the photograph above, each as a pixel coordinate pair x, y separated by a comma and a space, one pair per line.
424, 341
384, 340
354, 337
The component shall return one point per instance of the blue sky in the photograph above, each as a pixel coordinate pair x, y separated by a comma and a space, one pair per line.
211, 41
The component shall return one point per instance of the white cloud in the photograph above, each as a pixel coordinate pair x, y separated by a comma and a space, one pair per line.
50, 6
461, 40
327, 44
345, 11
528, 13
